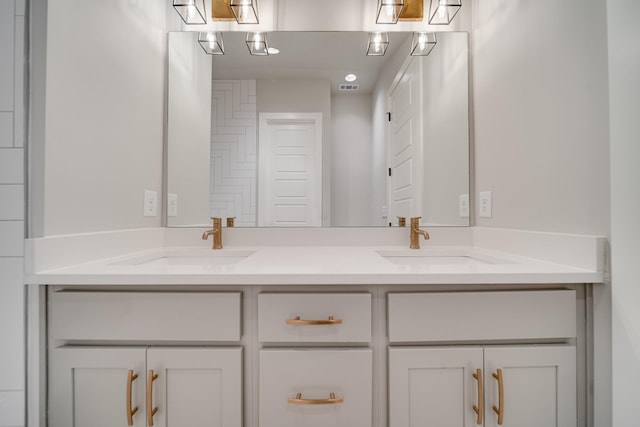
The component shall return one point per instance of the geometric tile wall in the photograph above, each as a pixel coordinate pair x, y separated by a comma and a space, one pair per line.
233, 151
12, 213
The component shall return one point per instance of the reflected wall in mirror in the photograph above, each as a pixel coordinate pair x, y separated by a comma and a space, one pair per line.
275, 141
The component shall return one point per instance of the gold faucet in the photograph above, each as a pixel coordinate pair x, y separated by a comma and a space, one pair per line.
416, 232
216, 233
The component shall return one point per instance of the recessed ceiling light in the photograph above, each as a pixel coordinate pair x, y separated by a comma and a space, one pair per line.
350, 77
273, 51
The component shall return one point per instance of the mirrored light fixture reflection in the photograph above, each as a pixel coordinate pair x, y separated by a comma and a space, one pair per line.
257, 44
422, 43
389, 11
191, 11
378, 43
245, 11
442, 12
211, 42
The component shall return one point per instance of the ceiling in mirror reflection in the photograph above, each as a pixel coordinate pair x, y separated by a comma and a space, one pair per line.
307, 55
217, 106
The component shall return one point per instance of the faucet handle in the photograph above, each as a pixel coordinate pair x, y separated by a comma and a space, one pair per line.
402, 221
230, 221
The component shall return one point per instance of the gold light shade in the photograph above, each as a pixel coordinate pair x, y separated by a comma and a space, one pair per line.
423, 43
442, 12
245, 11
191, 11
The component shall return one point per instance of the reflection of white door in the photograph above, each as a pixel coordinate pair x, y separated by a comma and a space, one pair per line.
405, 144
290, 169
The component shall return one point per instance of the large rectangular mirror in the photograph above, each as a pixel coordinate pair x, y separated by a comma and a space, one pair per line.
284, 140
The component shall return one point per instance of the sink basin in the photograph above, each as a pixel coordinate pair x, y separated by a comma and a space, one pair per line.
195, 257
438, 257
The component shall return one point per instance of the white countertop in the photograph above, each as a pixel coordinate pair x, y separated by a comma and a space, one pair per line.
316, 265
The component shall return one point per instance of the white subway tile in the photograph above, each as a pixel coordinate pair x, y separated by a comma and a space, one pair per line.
12, 409
11, 238
18, 91
11, 202
7, 16
12, 330
11, 165
6, 129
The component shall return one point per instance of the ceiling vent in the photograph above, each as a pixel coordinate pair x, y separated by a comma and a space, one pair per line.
348, 87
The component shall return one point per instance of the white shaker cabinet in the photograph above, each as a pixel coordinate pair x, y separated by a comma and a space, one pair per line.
529, 386
170, 387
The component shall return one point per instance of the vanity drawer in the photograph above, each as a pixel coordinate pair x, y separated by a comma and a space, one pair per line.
500, 315
312, 376
146, 316
323, 317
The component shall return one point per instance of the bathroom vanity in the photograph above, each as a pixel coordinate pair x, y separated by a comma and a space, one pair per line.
168, 333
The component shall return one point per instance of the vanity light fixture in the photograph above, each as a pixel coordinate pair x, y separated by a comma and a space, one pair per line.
257, 44
211, 42
378, 44
422, 43
389, 11
245, 11
191, 11
442, 12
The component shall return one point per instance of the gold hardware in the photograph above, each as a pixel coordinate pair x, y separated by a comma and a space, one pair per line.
230, 221
413, 11
221, 11
216, 233
151, 411
130, 411
500, 409
300, 322
402, 221
332, 400
416, 233
479, 409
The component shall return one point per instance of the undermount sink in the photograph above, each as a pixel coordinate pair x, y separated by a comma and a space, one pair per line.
194, 257
436, 257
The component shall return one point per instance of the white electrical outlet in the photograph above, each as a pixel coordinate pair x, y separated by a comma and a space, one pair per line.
464, 206
150, 203
172, 205
484, 204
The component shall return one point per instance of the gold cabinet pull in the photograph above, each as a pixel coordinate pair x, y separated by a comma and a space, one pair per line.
332, 400
151, 411
500, 409
298, 321
130, 411
479, 409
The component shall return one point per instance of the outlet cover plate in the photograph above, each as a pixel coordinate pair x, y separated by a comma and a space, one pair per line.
150, 203
484, 204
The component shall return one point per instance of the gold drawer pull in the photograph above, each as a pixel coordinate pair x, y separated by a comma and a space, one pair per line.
479, 409
151, 411
500, 409
329, 321
130, 411
332, 400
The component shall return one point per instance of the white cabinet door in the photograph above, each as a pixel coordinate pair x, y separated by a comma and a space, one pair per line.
539, 386
316, 388
434, 386
88, 387
196, 387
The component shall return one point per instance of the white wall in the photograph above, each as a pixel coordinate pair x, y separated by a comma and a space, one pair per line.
12, 212
303, 96
445, 130
189, 129
351, 160
540, 106
103, 130
624, 69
